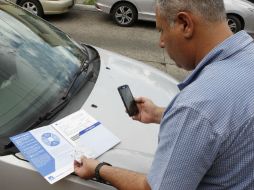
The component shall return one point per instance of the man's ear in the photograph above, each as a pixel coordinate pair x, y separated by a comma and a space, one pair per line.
186, 24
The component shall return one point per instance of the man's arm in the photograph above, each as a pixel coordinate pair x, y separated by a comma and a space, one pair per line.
120, 178
124, 179
188, 145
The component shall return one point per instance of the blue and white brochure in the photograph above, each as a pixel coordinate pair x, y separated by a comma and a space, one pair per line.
52, 149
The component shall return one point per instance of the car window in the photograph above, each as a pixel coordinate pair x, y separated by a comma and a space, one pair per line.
38, 63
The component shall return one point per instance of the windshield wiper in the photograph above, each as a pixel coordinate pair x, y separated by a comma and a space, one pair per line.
66, 97
83, 68
64, 101
47, 116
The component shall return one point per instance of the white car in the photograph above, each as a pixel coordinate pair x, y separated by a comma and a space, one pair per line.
41, 81
240, 13
46, 7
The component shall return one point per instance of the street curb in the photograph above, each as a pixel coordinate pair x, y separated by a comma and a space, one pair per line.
85, 7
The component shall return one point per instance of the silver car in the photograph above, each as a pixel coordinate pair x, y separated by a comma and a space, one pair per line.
46, 75
240, 13
46, 7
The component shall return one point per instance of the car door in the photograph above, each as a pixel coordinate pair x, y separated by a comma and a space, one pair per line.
146, 9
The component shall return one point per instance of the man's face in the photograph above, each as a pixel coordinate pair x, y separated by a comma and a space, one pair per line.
172, 39
166, 32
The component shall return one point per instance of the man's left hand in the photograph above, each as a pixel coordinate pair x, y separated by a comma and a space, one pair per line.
85, 168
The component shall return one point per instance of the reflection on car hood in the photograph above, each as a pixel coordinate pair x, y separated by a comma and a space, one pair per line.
138, 141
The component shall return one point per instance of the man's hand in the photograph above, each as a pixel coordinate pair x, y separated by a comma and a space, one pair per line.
121, 179
148, 111
85, 168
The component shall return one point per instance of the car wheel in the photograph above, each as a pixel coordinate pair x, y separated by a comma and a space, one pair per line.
234, 23
32, 6
124, 14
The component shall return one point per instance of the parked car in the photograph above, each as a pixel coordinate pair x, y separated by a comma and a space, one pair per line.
240, 13
45, 75
46, 7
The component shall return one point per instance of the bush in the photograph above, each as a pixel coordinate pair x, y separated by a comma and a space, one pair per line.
89, 2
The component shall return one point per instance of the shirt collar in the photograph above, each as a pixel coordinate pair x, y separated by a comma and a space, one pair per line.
228, 47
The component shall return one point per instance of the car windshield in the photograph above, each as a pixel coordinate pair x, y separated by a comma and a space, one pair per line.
37, 65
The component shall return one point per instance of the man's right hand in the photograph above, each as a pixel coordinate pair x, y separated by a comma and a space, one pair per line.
148, 111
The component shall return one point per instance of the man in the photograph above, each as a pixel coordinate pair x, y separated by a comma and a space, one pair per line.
206, 138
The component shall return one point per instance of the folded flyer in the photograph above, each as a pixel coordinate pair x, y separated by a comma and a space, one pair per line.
52, 149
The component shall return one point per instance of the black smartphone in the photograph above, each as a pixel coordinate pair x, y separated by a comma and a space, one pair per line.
128, 100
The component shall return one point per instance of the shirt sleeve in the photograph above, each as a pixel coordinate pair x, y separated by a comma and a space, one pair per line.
188, 145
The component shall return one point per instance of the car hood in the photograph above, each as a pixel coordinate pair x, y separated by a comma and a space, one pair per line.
138, 140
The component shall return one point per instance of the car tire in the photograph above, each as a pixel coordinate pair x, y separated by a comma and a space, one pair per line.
234, 23
32, 6
124, 14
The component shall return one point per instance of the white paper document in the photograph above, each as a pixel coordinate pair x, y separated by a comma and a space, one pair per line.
52, 149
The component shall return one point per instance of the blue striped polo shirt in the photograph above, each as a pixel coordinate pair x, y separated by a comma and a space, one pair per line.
206, 138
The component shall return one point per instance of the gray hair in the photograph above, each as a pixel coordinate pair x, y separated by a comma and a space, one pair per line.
209, 10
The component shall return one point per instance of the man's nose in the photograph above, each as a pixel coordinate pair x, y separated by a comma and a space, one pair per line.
162, 44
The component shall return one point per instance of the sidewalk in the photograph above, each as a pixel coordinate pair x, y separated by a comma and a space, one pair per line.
82, 2
81, 6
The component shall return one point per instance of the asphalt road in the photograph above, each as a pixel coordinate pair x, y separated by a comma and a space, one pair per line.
141, 42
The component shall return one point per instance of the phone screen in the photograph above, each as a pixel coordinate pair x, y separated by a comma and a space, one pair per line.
128, 100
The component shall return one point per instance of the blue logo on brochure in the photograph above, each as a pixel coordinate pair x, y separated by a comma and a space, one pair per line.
50, 139
51, 178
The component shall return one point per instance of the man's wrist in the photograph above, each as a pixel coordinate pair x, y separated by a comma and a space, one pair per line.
159, 114
97, 171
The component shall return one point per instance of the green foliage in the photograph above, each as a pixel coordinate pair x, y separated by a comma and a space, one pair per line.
89, 2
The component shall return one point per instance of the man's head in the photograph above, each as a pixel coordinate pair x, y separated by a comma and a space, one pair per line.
190, 28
